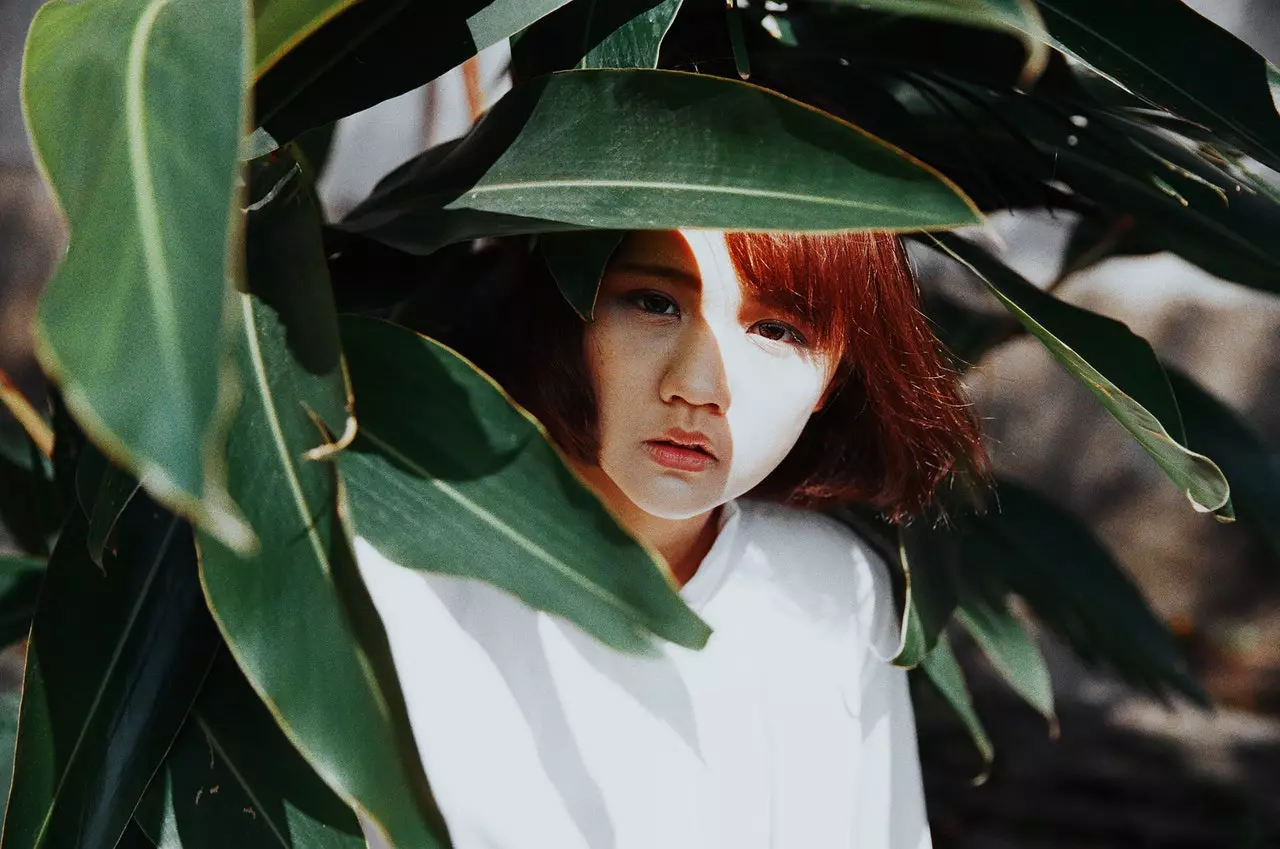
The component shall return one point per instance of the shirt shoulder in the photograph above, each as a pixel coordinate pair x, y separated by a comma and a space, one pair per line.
826, 569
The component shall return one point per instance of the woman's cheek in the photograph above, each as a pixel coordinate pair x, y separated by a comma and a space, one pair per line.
772, 404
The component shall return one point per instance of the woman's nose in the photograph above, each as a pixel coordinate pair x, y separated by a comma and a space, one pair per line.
695, 372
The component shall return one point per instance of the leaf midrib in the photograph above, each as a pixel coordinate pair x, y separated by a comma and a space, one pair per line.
684, 187
145, 198
239, 777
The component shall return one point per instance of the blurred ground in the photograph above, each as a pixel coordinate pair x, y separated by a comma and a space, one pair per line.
1124, 771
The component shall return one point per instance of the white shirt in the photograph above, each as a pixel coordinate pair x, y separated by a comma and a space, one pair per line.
788, 730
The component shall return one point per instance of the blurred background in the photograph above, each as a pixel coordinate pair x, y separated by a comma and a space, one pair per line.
1122, 770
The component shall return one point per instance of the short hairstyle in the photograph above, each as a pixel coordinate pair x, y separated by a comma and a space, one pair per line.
895, 424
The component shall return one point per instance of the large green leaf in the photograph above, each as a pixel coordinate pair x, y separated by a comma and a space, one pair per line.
1019, 18
943, 671
1247, 459
1146, 48
232, 779
447, 475
654, 149
114, 663
136, 109
376, 49
20, 582
1072, 583
1116, 365
300, 599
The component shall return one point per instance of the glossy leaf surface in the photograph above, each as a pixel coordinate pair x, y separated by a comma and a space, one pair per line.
1118, 367
113, 665
107, 87
654, 149
448, 475
1075, 586
377, 49
233, 779
295, 615
1146, 48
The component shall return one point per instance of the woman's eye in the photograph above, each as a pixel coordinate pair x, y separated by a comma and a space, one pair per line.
778, 331
655, 303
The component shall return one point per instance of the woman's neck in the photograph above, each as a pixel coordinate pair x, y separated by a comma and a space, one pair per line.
683, 543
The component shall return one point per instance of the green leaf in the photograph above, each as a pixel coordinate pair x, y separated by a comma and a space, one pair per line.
448, 475
594, 34
1146, 49
1116, 365
1247, 459
985, 614
115, 491
1018, 18
943, 671
281, 25
28, 499
927, 557
20, 582
9, 703
233, 779
300, 597
114, 663
1222, 221
654, 150
1073, 584
135, 110
577, 262
377, 49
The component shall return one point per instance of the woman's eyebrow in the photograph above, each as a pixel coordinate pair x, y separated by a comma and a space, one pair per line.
676, 275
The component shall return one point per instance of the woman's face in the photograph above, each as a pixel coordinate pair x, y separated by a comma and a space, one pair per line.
703, 388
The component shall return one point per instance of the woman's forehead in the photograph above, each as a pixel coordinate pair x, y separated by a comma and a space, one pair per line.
658, 246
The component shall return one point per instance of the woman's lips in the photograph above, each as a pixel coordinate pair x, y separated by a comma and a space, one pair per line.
684, 458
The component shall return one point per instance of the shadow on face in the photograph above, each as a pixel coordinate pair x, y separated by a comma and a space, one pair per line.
703, 387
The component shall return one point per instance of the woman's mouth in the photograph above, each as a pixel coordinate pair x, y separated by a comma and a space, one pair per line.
682, 451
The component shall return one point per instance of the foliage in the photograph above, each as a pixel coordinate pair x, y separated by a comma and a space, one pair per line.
223, 437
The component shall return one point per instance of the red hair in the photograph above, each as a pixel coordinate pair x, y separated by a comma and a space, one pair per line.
896, 423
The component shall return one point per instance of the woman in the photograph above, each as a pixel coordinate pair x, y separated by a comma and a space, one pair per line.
726, 383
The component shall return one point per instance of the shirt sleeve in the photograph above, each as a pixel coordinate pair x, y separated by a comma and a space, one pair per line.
890, 805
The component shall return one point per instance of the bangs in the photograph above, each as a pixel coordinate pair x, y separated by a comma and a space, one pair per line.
825, 280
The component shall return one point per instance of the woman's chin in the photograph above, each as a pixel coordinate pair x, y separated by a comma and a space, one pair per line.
674, 499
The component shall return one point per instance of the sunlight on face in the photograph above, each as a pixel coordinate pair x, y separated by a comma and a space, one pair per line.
702, 389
